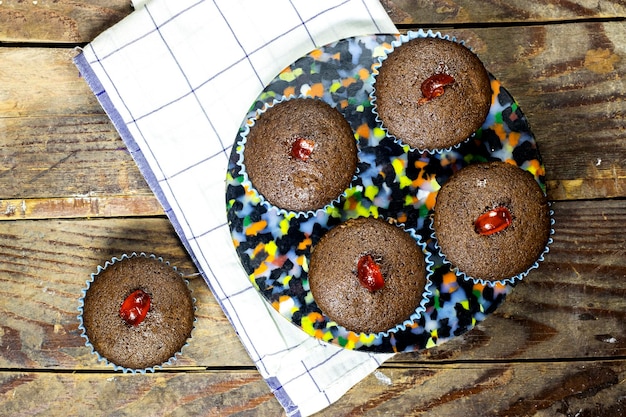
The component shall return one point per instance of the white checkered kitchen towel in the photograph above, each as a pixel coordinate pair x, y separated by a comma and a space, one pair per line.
177, 77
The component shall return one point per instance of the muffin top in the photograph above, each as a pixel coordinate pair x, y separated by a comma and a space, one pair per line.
115, 302
432, 93
367, 275
492, 220
300, 154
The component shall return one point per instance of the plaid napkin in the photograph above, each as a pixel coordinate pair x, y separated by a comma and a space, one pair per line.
177, 77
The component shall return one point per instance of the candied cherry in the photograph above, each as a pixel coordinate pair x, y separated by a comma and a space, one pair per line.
493, 221
135, 307
432, 87
302, 148
369, 273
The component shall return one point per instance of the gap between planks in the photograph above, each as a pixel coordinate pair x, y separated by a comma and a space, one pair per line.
80, 207
147, 205
393, 364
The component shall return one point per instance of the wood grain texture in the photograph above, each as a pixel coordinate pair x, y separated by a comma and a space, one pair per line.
453, 12
573, 307
74, 207
39, 82
56, 140
75, 22
62, 21
71, 197
64, 156
199, 393
513, 389
572, 96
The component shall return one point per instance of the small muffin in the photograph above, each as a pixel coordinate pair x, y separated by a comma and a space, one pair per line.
492, 221
367, 275
137, 312
432, 93
300, 154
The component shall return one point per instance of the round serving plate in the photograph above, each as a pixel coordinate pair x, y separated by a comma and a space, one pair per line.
392, 181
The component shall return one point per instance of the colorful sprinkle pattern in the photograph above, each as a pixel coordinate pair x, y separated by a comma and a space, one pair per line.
393, 182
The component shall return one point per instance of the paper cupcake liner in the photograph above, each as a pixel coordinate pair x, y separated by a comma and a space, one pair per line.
426, 294
327, 328
487, 282
251, 192
83, 330
400, 40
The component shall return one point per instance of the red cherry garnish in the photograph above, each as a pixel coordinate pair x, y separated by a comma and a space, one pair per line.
302, 148
433, 86
135, 307
369, 273
493, 221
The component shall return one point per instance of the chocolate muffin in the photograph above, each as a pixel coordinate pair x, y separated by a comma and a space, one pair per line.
115, 303
492, 221
300, 154
367, 275
432, 93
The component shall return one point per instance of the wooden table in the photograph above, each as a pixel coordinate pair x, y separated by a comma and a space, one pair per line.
72, 197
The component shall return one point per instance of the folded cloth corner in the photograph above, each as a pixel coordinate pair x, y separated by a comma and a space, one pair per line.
177, 77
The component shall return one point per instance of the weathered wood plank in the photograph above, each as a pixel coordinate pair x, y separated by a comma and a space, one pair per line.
59, 20
65, 21
573, 306
453, 390
43, 82
65, 156
498, 390
161, 394
57, 142
497, 11
80, 207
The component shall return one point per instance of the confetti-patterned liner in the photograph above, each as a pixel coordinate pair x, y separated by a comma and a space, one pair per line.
81, 326
410, 35
504, 281
249, 124
394, 182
